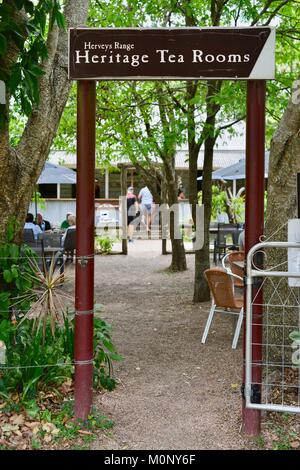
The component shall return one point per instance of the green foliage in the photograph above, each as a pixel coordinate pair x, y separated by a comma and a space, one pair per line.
218, 202
94, 422
224, 202
103, 244
29, 34
39, 362
14, 280
35, 362
105, 354
284, 438
295, 336
40, 201
236, 206
137, 101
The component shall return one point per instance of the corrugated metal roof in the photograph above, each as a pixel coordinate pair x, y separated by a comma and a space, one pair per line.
222, 158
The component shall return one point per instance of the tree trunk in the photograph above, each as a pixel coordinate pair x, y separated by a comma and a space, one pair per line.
202, 257
20, 167
178, 262
284, 165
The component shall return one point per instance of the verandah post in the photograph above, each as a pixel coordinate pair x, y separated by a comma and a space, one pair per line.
254, 228
85, 214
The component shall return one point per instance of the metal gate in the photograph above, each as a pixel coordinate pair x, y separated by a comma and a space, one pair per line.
272, 380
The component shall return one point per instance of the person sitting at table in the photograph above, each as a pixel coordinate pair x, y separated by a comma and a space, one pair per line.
44, 225
65, 224
29, 224
72, 227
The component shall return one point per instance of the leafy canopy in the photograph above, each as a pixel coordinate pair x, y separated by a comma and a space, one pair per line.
24, 28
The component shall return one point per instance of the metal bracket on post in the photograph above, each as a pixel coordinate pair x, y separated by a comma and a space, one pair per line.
255, 393
83, 260
84, 312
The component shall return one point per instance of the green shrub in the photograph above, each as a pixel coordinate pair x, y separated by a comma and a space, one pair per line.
103, 245
105, 354
41, 358
45, 362
14, 270
35, 363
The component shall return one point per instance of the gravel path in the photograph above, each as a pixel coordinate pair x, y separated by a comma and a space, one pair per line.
174, 392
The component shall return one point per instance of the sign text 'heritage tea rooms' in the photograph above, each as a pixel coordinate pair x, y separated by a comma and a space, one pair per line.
179, 53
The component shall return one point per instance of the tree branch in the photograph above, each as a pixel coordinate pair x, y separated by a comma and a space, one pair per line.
230, 124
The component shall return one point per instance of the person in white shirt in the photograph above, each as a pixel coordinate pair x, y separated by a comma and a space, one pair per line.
29, 224
146, 199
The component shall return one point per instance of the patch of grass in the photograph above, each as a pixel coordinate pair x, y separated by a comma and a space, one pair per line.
281, 431
70, 428
260, 441
36, 444
57, 427
79, 447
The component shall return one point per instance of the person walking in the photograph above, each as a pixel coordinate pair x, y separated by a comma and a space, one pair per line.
146, 199
132, 209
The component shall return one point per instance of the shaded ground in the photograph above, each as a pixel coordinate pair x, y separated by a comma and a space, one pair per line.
174, 392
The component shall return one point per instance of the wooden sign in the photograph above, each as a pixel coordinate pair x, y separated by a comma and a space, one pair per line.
175, 54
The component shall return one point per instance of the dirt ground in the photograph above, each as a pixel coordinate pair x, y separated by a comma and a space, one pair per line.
174, 392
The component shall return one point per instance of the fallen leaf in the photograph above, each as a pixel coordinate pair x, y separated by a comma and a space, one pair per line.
47, 427
2, 405
32, 424
9, 428
47, 438
295, 444
3, 442
17, 420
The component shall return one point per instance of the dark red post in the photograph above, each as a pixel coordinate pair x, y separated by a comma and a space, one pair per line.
85, 214
254, 219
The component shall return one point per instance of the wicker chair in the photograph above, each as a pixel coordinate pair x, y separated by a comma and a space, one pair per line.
223, 300
236, 271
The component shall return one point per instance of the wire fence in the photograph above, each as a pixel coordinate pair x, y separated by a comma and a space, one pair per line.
273, 326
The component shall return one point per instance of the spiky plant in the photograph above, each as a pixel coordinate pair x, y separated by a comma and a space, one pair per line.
47, 298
